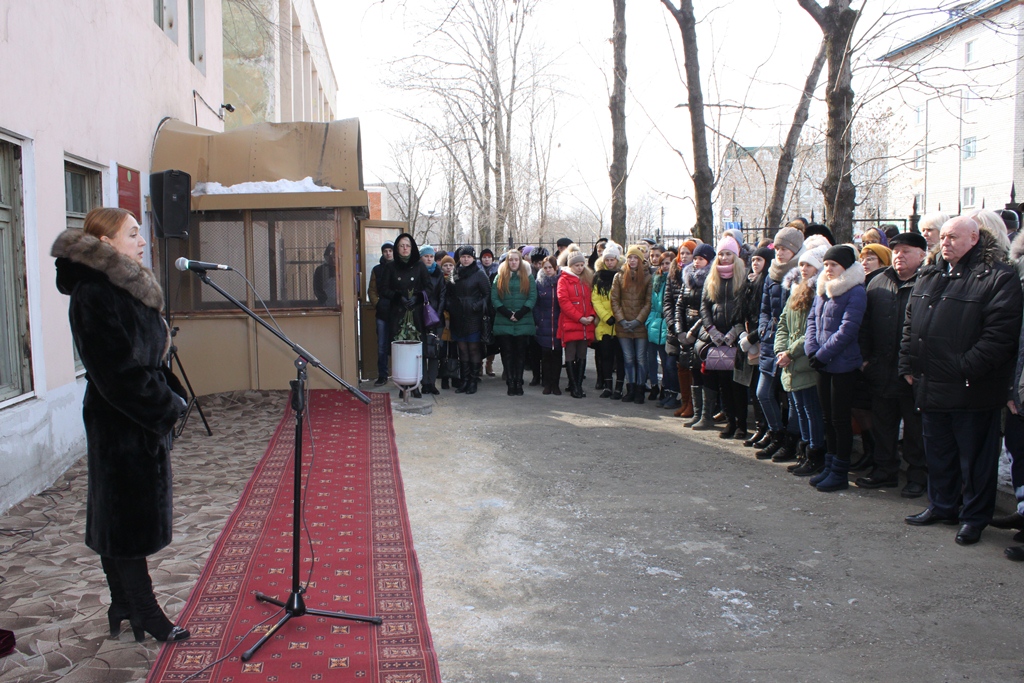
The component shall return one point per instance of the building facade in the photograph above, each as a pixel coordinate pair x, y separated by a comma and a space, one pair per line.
276, 65
93, 81
960, 97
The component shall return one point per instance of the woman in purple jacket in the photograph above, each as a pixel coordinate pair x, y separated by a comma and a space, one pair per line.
833, 325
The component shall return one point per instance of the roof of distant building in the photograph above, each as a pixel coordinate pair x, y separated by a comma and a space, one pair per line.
959, 15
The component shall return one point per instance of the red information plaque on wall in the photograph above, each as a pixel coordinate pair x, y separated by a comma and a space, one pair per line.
129, 191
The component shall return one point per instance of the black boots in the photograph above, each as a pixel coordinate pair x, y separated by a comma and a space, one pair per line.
120, 609
762, 431
146, 615
813, 464
630, 393
788, 450
465, 372
776, 442
576, 379
617, 393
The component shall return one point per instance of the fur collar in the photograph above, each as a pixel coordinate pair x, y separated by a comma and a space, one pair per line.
791, 278
123, 272
777, 271
1017, 248
851, 277
987, 252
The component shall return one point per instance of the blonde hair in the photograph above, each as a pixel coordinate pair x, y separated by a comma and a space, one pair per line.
715, 286
991, 222
505, 274
105, 222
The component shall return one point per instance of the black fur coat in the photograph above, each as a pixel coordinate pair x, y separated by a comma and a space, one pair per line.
130, 406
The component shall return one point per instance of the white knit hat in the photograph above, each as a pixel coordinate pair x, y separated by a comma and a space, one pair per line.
611, 249
815, 257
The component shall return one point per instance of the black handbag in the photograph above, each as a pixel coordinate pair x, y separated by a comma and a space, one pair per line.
431, 346
487, 330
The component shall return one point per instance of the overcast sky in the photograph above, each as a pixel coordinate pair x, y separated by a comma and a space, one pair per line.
756, 51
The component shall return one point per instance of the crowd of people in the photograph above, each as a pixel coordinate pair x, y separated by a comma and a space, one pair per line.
910, 339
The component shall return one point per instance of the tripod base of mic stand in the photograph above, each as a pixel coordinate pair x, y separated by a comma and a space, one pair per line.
296, 607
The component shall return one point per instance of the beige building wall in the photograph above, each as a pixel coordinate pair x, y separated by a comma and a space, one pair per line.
276, 65
959, 145
88, 81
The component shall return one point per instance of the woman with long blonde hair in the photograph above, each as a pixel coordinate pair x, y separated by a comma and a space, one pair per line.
513, 295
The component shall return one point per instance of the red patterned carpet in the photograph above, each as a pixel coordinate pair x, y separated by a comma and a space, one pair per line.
364, 564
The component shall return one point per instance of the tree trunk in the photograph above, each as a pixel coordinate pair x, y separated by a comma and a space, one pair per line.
775, 210
703, 178
837, 22
617, 104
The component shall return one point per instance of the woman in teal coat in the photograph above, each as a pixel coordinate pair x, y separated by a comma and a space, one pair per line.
513, 295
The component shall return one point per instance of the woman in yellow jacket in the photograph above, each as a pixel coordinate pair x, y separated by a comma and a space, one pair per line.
608, 348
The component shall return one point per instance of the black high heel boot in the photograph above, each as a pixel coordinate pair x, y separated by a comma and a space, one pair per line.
120, 609
146, 617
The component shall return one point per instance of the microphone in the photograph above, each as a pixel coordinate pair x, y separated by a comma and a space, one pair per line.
184, 264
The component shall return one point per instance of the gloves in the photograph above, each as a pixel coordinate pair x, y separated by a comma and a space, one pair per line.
689, 339
815, 363
409, 302
630, 325
522, 313
611, 320
730, 338
717, 338
745, 344
505, 312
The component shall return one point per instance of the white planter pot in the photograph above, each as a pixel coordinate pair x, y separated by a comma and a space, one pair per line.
406, 362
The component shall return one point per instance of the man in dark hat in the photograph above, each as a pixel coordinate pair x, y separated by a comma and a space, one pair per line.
562, 244
958, 352
383, 309
892, 399
1012, 221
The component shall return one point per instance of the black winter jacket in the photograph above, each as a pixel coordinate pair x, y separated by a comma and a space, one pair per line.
881, 332
729, 315
468, 299
130, 402
961, 332
401, 281
437, 293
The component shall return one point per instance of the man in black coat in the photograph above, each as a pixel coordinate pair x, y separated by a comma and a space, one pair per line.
892, 399
382, 305
958, 352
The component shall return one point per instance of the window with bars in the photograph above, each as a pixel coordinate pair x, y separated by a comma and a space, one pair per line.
288, 255
15, 354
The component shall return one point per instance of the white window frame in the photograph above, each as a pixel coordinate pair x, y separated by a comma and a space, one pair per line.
919, 157
92, 199
14, 299
968, 197
970, 53
919, 115
969, 148
197, 34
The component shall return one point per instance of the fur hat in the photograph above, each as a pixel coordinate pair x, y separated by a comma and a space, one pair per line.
843, 254
911, 239
729, 243
790, 238
815, 241
466, 250
884, 254
814, 257
612, 250
705, 251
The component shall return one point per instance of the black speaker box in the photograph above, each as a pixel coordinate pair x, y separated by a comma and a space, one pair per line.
170, 192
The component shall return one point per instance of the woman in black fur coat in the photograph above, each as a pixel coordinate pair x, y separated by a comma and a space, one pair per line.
130, 409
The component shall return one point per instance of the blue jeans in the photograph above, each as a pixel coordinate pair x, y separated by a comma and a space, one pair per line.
807, 408
669, 370
767, 396
652, 360
383, 348
1014, 432
962, 452
634, 356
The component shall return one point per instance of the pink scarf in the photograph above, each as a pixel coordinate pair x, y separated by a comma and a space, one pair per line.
724, 272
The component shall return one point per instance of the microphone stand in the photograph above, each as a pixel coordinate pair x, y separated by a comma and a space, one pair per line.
294, 606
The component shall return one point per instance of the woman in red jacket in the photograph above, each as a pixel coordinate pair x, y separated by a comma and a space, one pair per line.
576, 320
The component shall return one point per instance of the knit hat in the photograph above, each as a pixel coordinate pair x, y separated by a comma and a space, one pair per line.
578, 257
387, 245
427, 250
563, 242
525, 251
736, 233
815, 241
790, 238
634, 250
843, 254
814, 257
612, 249
705, 251
883, 253
447, 259
485, 252
911, 239
466, 250
765, 253
729, 243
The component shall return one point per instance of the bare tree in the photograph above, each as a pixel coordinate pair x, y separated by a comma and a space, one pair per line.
617, 172
412, 171
703, 178
775, 207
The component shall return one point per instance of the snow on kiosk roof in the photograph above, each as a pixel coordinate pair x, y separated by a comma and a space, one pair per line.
328, 153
